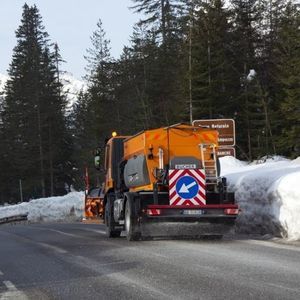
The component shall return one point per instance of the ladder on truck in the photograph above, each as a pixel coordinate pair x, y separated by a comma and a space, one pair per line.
209, 165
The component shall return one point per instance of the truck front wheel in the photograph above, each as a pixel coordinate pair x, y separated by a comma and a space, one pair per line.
111, 232
130, 227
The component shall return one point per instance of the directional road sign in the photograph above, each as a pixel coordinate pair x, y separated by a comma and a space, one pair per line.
187, 187
225, 127
225, 151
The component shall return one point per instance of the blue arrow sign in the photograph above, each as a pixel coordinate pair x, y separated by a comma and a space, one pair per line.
187, 187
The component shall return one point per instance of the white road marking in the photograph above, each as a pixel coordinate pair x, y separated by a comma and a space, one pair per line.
10, 286
1, 273
57, 249
13, 293
271, 244
135, 282
59, 231
64, 233
98, 231
94, 230
141, 285
103, 264
282, 287
71, 234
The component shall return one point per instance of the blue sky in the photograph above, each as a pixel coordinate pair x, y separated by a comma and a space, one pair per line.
70, 23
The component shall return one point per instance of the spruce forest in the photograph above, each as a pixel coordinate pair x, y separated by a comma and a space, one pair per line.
187, 59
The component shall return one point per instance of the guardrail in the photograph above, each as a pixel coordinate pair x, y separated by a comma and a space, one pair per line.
16, 218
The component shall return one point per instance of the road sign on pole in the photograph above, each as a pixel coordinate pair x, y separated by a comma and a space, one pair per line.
225, 151
225, 127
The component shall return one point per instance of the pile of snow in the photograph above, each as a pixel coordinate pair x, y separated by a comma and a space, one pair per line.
62, 208
268, 194
251, 75
230, 164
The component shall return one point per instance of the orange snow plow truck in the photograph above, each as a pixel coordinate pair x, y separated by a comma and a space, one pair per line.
166, 179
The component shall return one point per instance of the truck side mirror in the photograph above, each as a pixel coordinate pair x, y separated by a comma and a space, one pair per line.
97, 153
97, 162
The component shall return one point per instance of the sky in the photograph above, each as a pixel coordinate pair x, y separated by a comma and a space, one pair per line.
70, 23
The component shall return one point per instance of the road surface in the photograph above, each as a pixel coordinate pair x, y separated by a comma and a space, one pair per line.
77, 261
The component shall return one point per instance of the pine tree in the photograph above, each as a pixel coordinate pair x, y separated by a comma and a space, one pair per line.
85, 139
58, 146
246, 42
96, 115
100, 80
4, 161
162, 17
289, 77
268, 69
212, 70
136, 81
33, 112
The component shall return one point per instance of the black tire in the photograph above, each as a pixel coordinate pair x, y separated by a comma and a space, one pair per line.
111, 232
130, 227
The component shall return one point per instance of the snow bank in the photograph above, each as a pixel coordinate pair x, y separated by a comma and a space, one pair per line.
267, 192
68, 207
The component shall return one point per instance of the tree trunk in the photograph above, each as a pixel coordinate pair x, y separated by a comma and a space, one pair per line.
190, 66
209, 79
247, 113
41, 151
51, 162
163, 21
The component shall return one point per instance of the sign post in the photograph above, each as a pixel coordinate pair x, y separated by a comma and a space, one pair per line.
226, 129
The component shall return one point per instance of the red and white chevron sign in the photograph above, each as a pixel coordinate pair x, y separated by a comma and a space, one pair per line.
187, 187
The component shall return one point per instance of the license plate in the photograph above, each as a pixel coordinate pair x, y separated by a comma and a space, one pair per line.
193, 212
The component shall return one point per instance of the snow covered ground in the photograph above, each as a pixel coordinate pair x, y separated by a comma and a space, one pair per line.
63, 208
267, 192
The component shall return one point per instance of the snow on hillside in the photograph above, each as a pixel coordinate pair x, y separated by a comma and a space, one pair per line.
71, 86
3, 79
267, 193
63, 208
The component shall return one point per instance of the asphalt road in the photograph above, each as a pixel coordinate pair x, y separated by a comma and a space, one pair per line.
77, 261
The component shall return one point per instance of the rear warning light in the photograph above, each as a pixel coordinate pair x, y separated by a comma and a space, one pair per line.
231, 211
153, 212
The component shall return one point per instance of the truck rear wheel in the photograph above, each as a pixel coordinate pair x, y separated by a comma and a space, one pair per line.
130, 226
111, 232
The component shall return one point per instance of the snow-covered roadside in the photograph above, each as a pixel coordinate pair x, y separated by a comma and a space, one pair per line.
268, 195
68, 207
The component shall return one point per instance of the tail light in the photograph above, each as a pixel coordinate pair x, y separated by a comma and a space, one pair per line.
231, 211
153, 212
